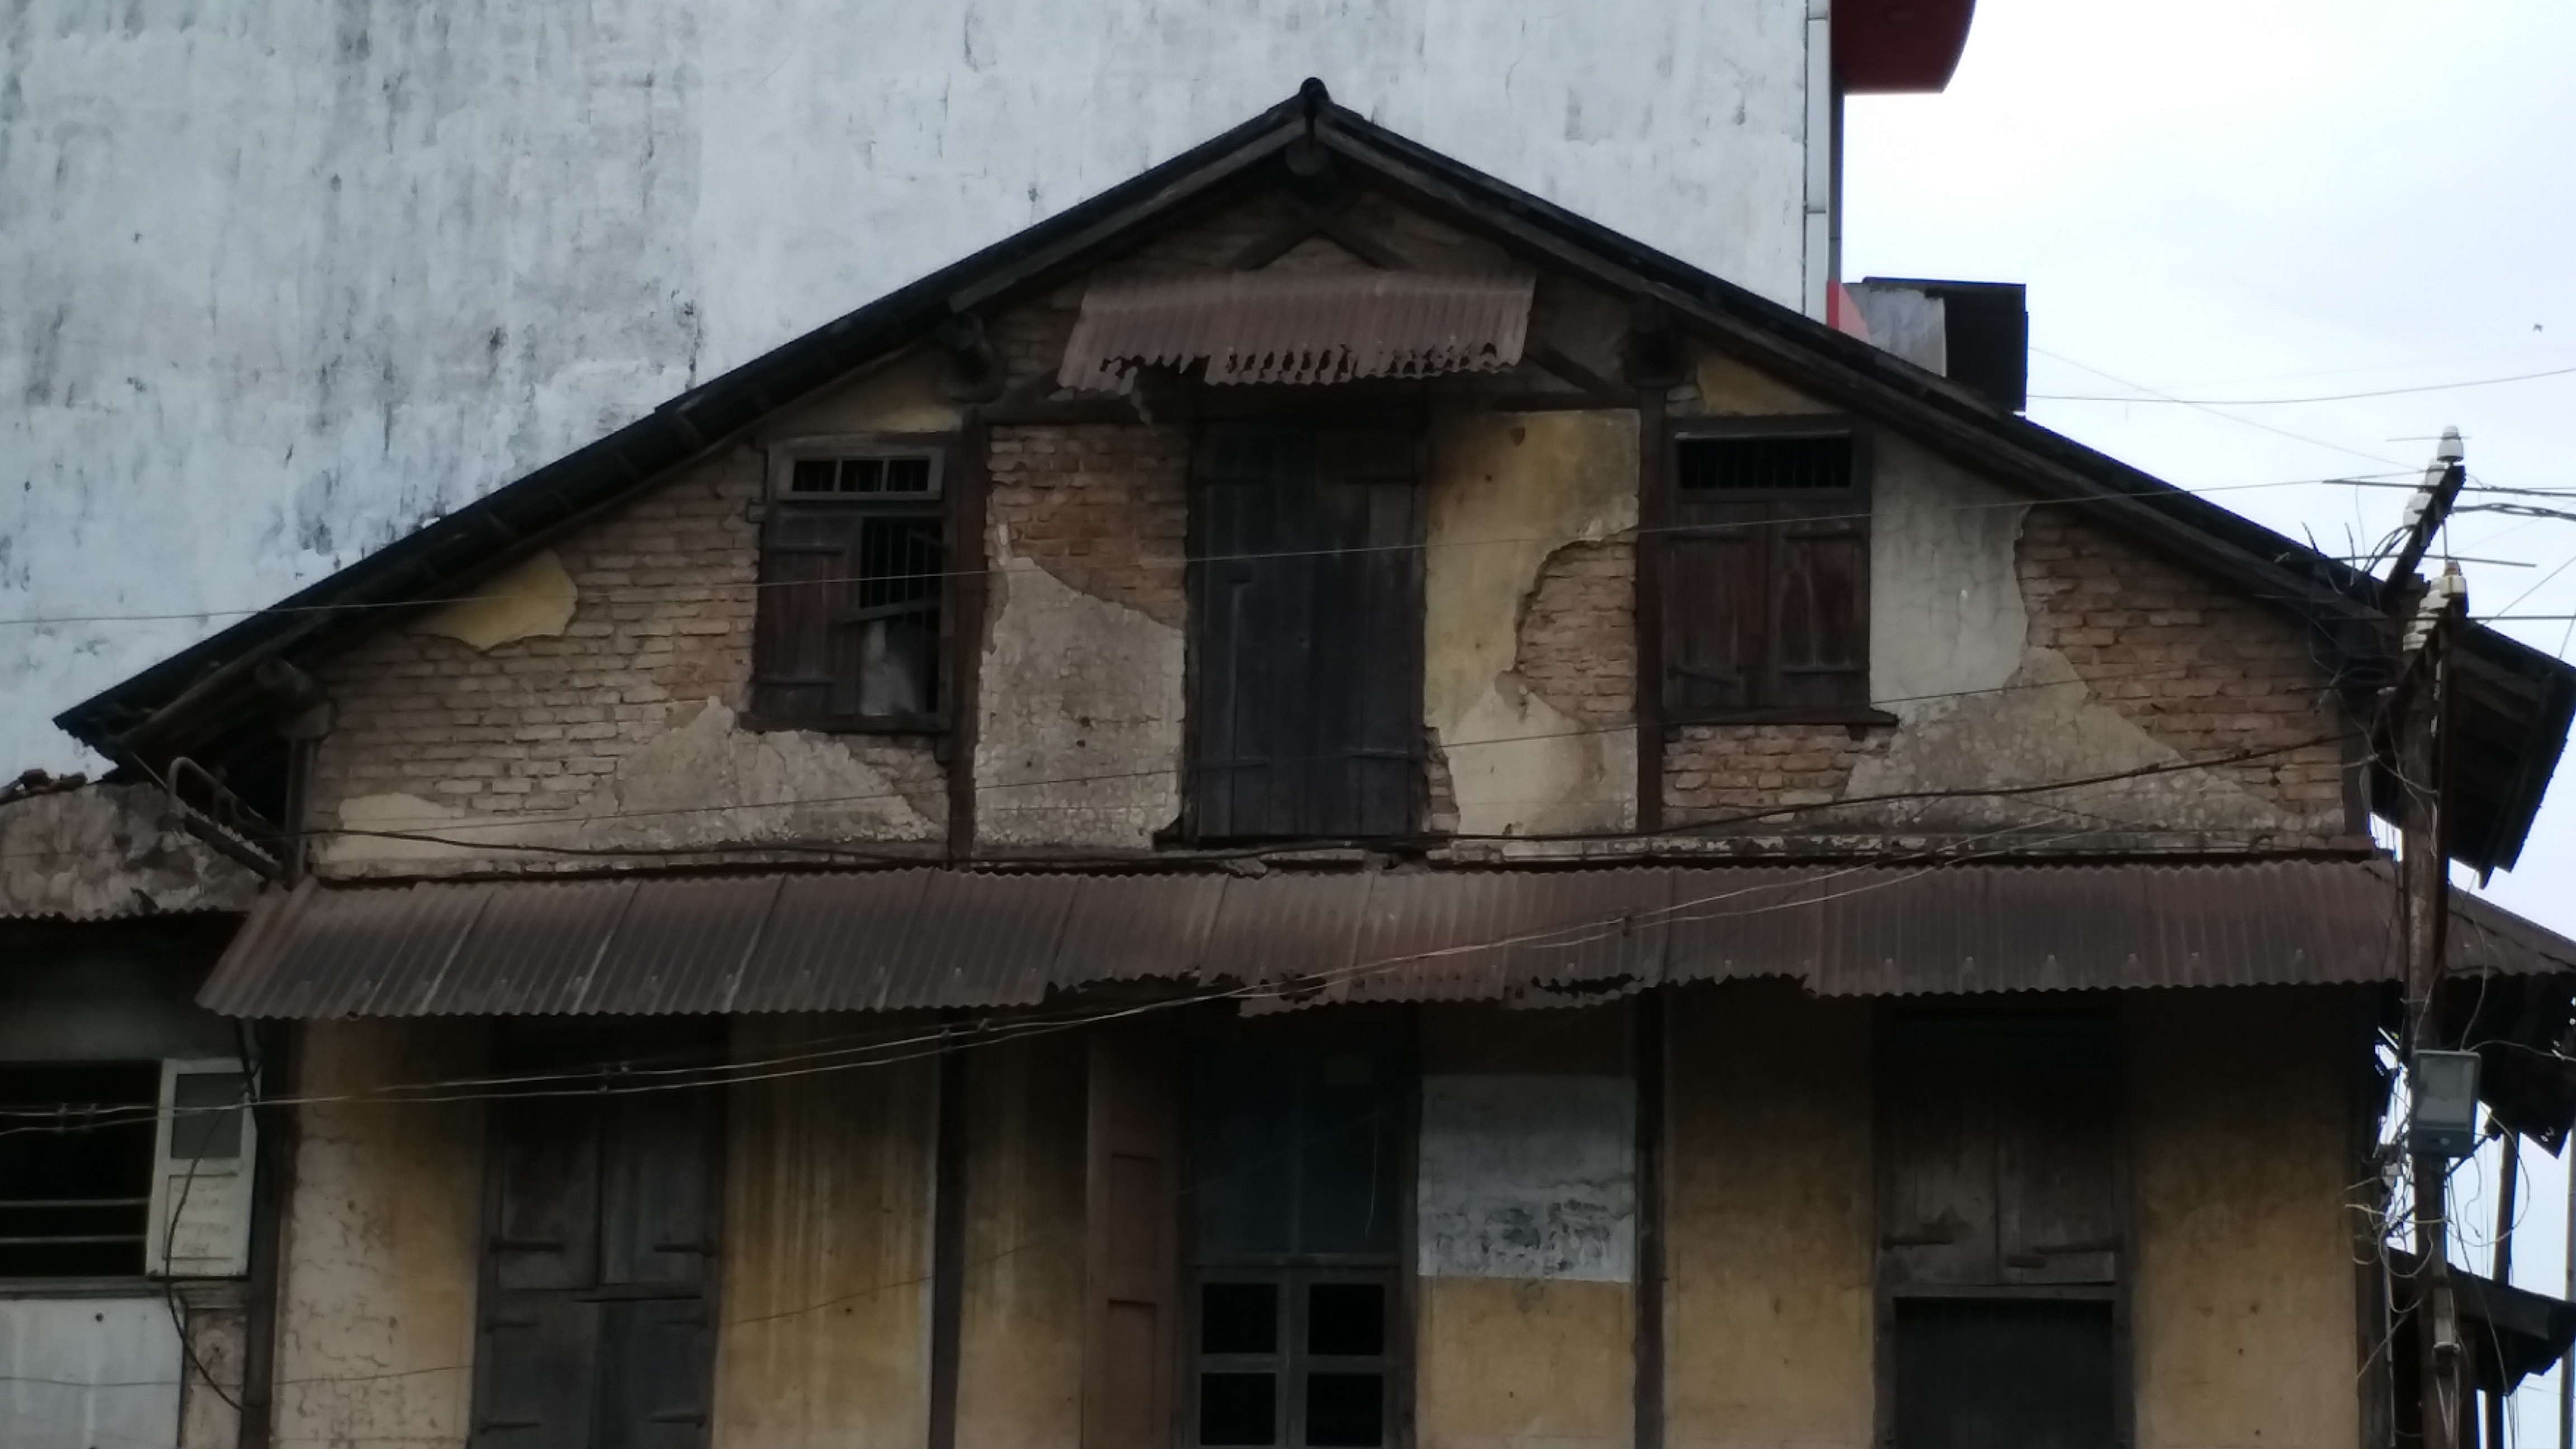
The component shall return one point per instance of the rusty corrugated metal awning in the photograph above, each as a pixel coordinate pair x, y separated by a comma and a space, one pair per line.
911, 938
1306, 328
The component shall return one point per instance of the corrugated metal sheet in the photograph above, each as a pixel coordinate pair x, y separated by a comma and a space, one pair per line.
1263, 327
917, 938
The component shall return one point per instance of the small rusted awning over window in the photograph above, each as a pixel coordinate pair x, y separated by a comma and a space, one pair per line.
1297, 328
895, 939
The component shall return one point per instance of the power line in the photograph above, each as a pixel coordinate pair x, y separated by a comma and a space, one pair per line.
2267, 402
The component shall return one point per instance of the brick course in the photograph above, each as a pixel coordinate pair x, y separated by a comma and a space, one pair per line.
1578, 637
2203, 669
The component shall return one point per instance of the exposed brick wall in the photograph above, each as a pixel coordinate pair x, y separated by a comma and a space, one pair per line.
2203, 669
1726, 770
1578, 637
663, 621
1102, 506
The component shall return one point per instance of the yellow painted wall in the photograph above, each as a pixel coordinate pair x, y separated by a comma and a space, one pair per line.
825, 1337
2243, 1306
376, 1310
1507, 490
1020, 1349
1769, 1261
1524, 1363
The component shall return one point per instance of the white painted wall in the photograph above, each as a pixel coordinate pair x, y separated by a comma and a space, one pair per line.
282, 279
88, 1373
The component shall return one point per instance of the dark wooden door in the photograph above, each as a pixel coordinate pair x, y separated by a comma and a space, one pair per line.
1306, 634
596, 1327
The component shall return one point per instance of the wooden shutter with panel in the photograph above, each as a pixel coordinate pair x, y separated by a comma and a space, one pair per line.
2001, 1155
1765, 578
1132, 1242
597, 1325
1306, 633
854, 592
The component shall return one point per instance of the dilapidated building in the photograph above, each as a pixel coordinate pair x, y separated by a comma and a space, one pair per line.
1319, 804
126, 1146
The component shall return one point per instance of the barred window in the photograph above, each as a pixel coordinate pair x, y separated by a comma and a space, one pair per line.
853, 593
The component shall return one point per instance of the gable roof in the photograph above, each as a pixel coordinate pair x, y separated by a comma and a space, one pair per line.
2512, 708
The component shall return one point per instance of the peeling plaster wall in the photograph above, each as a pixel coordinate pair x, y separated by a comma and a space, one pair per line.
110, 850
594, 702
316, 271
825, 1312
2243, 1309
1510, 495
1527, 1217
1769, 1240
2016, 646
376, 1307
1083, 699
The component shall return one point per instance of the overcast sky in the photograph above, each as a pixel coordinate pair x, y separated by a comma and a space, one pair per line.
2265, 199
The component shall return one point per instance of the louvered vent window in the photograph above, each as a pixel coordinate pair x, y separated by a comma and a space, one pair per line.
854, 585
1766, 579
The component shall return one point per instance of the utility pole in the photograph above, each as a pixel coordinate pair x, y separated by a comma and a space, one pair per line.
2420, 695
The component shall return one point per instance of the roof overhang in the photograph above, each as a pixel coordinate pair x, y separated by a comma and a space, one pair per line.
931, 938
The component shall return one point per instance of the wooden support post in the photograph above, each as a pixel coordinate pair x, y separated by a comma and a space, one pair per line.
948, 1246
2500, 1267
1654, 517
1651, 1096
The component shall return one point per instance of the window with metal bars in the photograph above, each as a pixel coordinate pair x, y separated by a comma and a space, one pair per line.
1765, 578
76, 1168
852, 619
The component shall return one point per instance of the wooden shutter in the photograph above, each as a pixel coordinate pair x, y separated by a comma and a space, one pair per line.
1132, 1248
2001, 1157
1716, 603
1306, 634
657, 1373
1765, 577
1819, 602
535, 1370
1937, 1219
596, 1328
2058, 1183
658, 1198
545, 1194
804, 664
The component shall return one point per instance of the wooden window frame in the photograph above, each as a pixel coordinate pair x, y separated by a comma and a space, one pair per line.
1397, 1269
1888, 1291
1675, 522
946, 453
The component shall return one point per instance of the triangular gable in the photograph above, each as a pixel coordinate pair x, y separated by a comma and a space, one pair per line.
2515, 703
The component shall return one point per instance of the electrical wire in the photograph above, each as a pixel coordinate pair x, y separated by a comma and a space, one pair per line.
2268, 402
